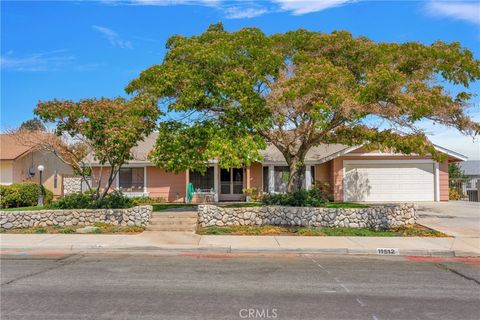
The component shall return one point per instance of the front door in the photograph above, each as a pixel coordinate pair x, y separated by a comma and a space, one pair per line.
231, 184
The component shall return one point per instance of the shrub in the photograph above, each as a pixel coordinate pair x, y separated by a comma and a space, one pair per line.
453, 194
23, 194
253, 194
147, 200
114, 200
302, 198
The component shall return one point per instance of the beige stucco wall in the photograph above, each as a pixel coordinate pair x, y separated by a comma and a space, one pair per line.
168, 185
52, 165
256, 176
6, 172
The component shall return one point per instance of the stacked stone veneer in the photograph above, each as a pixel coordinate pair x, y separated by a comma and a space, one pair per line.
136, 216
376, 217
72, 185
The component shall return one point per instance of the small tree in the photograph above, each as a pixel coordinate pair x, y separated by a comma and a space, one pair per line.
455, 171
301, 89
109, 127
34, 124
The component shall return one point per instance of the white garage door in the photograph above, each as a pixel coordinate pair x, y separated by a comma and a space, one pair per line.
380, 181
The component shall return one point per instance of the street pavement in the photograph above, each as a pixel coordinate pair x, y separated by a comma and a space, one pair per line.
456, 218
235, 286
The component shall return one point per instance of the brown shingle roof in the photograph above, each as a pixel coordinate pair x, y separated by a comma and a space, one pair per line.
270, 154
10, 148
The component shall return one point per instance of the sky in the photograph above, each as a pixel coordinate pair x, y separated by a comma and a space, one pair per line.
81, 49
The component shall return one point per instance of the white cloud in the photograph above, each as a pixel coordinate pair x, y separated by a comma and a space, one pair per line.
299, 7
452, 139
248, 8
467, 11
241, 12
113, 37
45, 61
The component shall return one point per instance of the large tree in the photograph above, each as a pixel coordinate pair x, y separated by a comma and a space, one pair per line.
241, 90
109, 128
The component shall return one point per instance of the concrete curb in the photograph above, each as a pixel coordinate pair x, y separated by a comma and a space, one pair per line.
228, 249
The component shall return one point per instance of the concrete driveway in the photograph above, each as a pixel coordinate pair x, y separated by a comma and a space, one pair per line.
456, 218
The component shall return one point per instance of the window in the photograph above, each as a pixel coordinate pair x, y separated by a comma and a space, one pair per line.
281, 175
203, 182
265, 179
313, 176
131, 179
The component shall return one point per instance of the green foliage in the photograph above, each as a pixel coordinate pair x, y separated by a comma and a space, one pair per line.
166, 206
40, 230
147, 200
66, 230
112, 126
114, 200
406, 231
23, 194
345, 205
34, 124
253, 193
455, 171
240, 90
302, 198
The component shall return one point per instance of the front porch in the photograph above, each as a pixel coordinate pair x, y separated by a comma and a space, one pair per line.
229, 185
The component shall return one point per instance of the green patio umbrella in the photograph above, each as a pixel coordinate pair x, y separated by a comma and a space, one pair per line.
190, 191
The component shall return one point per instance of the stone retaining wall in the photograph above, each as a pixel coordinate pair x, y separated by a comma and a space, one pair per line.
376, 217
72, 185
136, 216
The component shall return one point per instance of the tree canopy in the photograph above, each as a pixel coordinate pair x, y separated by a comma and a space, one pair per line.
109, 127
34, 124
244, 89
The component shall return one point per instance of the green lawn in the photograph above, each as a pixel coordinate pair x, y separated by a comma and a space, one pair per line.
32, 208
345, 205
410, 231
165, 206
102, 228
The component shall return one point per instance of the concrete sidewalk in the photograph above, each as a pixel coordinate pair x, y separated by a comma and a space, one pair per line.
181, 241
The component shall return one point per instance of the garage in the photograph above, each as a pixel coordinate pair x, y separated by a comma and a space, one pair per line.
389, 180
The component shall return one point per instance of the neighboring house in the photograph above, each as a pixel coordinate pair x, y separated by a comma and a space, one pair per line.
19, 163
471, 168
354, 173
470, 187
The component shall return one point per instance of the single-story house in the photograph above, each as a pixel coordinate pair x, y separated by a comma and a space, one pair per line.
471, 168
354, 173
19, 163
470, 186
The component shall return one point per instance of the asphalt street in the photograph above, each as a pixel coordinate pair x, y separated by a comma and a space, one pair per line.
228, 286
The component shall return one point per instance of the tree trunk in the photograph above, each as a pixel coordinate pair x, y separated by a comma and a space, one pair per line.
297, 175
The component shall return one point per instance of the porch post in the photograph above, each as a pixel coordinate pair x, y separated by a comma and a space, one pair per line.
271, 179
308, 177
436, 183
187, 180
215, 181
247, 175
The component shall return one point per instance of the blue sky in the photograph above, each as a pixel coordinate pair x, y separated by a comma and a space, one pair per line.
79, 49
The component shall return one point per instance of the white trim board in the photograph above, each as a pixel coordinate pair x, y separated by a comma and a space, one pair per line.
388, 161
